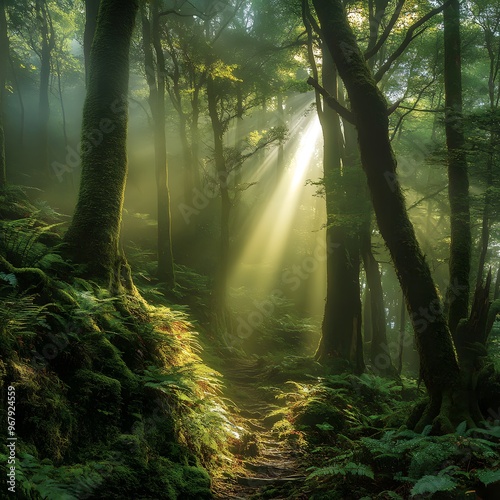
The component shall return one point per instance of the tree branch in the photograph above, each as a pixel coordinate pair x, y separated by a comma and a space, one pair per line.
429, 196
332, 102
410, 36
395, 16
306, 16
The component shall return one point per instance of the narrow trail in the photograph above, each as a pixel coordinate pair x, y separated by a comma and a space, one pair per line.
269, 464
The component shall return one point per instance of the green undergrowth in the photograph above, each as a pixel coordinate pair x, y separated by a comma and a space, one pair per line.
351, 432
269, 326
112, 398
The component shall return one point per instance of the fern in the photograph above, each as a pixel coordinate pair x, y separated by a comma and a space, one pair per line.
20, 242
9, 278
488, 476
343, 470
432, 484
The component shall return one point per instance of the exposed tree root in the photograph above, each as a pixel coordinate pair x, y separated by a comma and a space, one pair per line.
34, 279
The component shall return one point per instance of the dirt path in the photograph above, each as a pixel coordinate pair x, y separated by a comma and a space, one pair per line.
273, 466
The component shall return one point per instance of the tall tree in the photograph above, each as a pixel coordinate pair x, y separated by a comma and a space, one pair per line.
154, 60
458, 179
449, 402
341, 328
47, 37
4, 61
380, 355
487, 17
93, 236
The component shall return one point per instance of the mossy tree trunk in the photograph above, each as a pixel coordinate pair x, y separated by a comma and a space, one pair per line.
449, 402
457, 296
4, 61
91, 12
93, 236
341, 337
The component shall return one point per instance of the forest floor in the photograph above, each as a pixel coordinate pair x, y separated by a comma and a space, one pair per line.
270, 466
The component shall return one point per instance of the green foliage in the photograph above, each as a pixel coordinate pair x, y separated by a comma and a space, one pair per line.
433, 484
21, 243
281, 334
348, 422
113, 399
488, 476
342, 470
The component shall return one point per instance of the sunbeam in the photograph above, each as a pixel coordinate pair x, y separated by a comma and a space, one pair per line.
268, 240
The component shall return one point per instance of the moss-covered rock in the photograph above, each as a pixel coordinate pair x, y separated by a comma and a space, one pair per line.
317, 413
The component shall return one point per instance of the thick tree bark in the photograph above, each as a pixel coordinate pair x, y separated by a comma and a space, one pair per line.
91, 12
93, 235
4, 61
458, 185
448, 404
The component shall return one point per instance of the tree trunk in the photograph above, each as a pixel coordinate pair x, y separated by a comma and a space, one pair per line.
341, 329
448, 405
380, 355
91, 12
458, 185
21, 101
61, 100
220, 294
93, 235
48, 40
166, 273
496, 291
280, 161
4, 60
485, 222
195, 136
402, 328
367, 317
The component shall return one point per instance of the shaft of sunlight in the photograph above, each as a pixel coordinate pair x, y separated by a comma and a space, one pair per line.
267, 241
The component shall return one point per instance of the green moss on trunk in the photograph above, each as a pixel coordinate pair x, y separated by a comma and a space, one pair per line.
93, 235
439, 365
458, 186
341, 329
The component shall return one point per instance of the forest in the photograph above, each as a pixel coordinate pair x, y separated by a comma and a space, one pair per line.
250, 249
